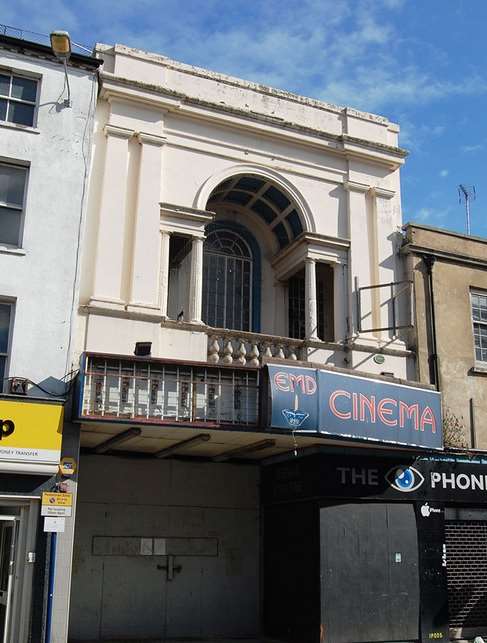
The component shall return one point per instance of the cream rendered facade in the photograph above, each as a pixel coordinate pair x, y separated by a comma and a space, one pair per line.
313, 190
166, 136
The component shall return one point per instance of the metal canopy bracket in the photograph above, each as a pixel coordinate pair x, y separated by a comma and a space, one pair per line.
201, 437
247, 448
133, 432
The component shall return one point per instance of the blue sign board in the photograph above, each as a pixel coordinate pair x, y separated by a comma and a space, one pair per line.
307, 400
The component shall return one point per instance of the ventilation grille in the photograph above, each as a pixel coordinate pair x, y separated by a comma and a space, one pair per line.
466, 550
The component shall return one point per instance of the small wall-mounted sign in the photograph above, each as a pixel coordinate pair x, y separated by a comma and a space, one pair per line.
56, 504
67, 466
54, 524
379, 358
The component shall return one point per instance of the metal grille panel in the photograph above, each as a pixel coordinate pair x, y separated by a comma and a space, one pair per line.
147, 391
466, 550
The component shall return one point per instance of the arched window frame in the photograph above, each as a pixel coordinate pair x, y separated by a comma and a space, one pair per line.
256, 264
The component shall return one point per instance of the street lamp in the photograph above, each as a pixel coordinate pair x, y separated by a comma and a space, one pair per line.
61, 47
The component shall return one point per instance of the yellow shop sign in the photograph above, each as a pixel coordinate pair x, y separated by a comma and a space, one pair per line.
30, 431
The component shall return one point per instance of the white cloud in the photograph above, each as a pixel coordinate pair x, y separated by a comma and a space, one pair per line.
432, 216
444, 173
349, 52
472, 148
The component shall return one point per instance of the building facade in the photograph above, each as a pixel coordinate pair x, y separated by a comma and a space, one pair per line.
241, 263
45, 147
450, 280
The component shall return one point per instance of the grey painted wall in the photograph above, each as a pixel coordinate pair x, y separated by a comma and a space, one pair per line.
208, 515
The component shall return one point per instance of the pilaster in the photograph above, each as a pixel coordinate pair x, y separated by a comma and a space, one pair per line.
165, 239
386, 261
359, 263
144, 284
107, 287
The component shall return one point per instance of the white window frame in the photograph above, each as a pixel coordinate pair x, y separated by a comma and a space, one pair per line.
480, 363
20, 209
21, 74
11, 305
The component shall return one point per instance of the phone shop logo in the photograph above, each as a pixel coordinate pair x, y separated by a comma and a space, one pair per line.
405, 479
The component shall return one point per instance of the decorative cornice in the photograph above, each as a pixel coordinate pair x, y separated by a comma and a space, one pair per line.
313, 247
187, 221
383, 193
186, 212
119, 132
353, 186
324, 240
151, 139
157, 95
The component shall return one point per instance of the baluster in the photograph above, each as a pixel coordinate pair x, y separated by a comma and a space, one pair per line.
267, 351
280, 352
254, 355
292, 353
228, 353
214, 351
241, 353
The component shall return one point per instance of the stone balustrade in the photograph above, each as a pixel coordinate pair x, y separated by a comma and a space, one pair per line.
234, 348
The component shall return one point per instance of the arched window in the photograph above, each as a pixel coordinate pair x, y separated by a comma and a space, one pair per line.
228, 277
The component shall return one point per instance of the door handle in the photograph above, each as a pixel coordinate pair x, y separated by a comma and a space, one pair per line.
171, 568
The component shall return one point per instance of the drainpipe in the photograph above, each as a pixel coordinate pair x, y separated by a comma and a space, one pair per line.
429, 261
50, 595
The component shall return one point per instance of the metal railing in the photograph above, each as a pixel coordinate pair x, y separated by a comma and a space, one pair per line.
154, 391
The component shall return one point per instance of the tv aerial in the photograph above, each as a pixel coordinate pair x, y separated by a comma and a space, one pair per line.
466, 193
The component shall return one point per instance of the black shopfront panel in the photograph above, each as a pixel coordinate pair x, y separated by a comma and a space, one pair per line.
375, 557
369, 572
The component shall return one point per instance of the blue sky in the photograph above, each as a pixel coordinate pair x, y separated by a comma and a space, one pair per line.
421, 63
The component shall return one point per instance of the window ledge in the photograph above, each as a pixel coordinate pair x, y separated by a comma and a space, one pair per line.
12, 250
20, 128
480, 368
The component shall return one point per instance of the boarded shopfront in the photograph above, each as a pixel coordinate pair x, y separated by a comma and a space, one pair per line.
401, 542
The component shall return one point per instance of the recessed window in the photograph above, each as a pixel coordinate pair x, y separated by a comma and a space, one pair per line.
18, 95
5, 320
227, 280
479, 318
297, 303
12, 189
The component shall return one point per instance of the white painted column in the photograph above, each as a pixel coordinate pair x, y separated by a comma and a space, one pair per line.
165, 240
144, 286
109, 267
196, 283
311, 320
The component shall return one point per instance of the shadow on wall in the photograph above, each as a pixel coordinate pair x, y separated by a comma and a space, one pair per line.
468, 606
50, 387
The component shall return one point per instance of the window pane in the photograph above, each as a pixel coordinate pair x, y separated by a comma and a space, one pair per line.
12, 183
10, 226
4, 85
480, 337
21, 113
230, 295
4, 327
227, 278
24, 88
3, 110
